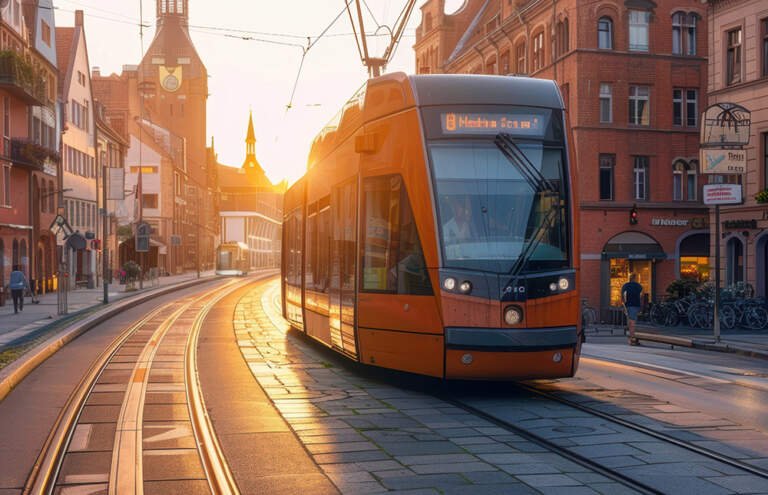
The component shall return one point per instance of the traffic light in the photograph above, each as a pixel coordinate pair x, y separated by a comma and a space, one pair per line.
633, 216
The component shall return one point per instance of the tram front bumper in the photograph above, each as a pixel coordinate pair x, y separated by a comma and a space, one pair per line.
509, 353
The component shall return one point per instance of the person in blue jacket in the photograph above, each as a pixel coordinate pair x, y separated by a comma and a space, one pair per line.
17, 284
630, 295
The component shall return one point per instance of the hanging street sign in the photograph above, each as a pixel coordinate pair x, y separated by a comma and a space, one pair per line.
725, 125
723, 161
722, 194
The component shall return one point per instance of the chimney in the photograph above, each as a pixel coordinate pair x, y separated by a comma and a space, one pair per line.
78, 18
96, 71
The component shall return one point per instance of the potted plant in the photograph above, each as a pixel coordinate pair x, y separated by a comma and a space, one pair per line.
762, 196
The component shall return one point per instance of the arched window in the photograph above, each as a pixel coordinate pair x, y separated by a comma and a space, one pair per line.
605, 33
520, 58
561, 42
537, 57
684, 180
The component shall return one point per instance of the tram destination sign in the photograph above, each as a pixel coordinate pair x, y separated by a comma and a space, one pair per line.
493, 123
722, 194
723, 161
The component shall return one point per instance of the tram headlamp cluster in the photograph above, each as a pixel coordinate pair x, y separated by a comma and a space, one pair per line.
513, 315
450, 284
563, 284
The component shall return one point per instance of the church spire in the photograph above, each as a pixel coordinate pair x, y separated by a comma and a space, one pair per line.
250, 140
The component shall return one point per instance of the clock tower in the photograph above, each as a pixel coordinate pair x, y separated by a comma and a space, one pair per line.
174, 83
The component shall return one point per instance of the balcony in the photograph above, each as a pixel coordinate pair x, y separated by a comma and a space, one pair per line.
18, 77
34, 156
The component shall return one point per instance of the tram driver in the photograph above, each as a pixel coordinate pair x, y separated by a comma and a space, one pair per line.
459, 232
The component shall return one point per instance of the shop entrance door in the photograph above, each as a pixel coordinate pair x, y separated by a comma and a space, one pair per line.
621, 268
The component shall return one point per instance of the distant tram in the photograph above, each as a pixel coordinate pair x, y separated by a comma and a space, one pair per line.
232, 258
435, 230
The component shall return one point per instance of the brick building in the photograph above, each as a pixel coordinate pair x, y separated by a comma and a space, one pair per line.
29, 162
633, 77
162, 105
738, 73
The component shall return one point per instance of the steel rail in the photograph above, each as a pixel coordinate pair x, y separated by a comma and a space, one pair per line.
650, 432
44, 472
556, 449
220, 478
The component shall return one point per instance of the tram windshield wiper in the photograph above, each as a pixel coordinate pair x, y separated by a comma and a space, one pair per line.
544, 189
528, 170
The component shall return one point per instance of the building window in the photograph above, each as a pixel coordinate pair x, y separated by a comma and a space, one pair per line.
45, 32
605, 33
684, 33
685, 109
607, 164
640, 178
606, 103
684, 181
765, 159
639, 105
561, 31
538, 51
733, 57
764, 36
638, 30
503, 63
6, 185
520, 56
6, 126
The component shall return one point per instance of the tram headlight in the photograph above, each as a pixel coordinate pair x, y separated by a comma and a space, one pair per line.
449, 283
553, 287
466, 287
513, 315
563, 283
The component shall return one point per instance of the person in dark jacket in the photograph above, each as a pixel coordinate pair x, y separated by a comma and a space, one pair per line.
17, 284
630, 294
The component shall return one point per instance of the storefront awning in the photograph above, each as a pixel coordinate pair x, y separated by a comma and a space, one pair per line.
634, 246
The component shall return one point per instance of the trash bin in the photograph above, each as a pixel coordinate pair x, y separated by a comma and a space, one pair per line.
91, 282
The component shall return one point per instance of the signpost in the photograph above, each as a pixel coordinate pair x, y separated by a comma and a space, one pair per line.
62, 231
725, 131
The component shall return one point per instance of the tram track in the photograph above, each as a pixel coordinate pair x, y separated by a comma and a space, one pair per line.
161, 342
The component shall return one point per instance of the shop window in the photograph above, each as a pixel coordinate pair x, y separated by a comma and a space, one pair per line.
605, 33
694, 258
393, 261
734, 267
607, 165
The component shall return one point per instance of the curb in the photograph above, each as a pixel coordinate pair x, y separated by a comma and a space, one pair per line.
15, 372
703, 345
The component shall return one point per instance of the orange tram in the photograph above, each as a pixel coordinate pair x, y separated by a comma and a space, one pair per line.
434, 231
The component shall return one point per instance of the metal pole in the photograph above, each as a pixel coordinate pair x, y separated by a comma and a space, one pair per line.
197, 236
104, 231
716, 323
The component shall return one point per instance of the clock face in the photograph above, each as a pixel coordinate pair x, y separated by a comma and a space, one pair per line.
171, 82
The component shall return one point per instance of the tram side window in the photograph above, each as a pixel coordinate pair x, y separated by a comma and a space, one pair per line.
294, 248
393, 261
311, 256
323, 244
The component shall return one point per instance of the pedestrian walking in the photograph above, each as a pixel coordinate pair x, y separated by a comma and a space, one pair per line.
18, 284
630, 295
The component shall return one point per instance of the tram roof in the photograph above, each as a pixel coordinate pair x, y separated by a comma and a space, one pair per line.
466, 89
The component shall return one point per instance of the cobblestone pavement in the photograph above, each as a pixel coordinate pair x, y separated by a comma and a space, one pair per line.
370, 435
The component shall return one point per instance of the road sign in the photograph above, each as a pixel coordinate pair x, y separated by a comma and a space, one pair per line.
722, 194
143, 231
723, 161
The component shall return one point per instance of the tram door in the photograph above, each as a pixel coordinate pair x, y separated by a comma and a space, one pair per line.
342, 283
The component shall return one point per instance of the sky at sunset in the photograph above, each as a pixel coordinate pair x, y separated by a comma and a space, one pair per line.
255, 74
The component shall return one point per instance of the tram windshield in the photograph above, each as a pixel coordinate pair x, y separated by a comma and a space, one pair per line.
501, 213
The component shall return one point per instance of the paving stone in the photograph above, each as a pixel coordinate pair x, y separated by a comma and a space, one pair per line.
489, 477
499, 489
361, 488
742, 484
530, 469
684, 484
607, 450
409, 460
437, 481
544, 480
465, 467
328, 448
507, 458
346, 457
491, 448
341, 477
612, 489
420, 448
567, 490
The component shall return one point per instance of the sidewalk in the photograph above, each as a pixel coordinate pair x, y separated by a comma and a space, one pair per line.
752, 343
34, 316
